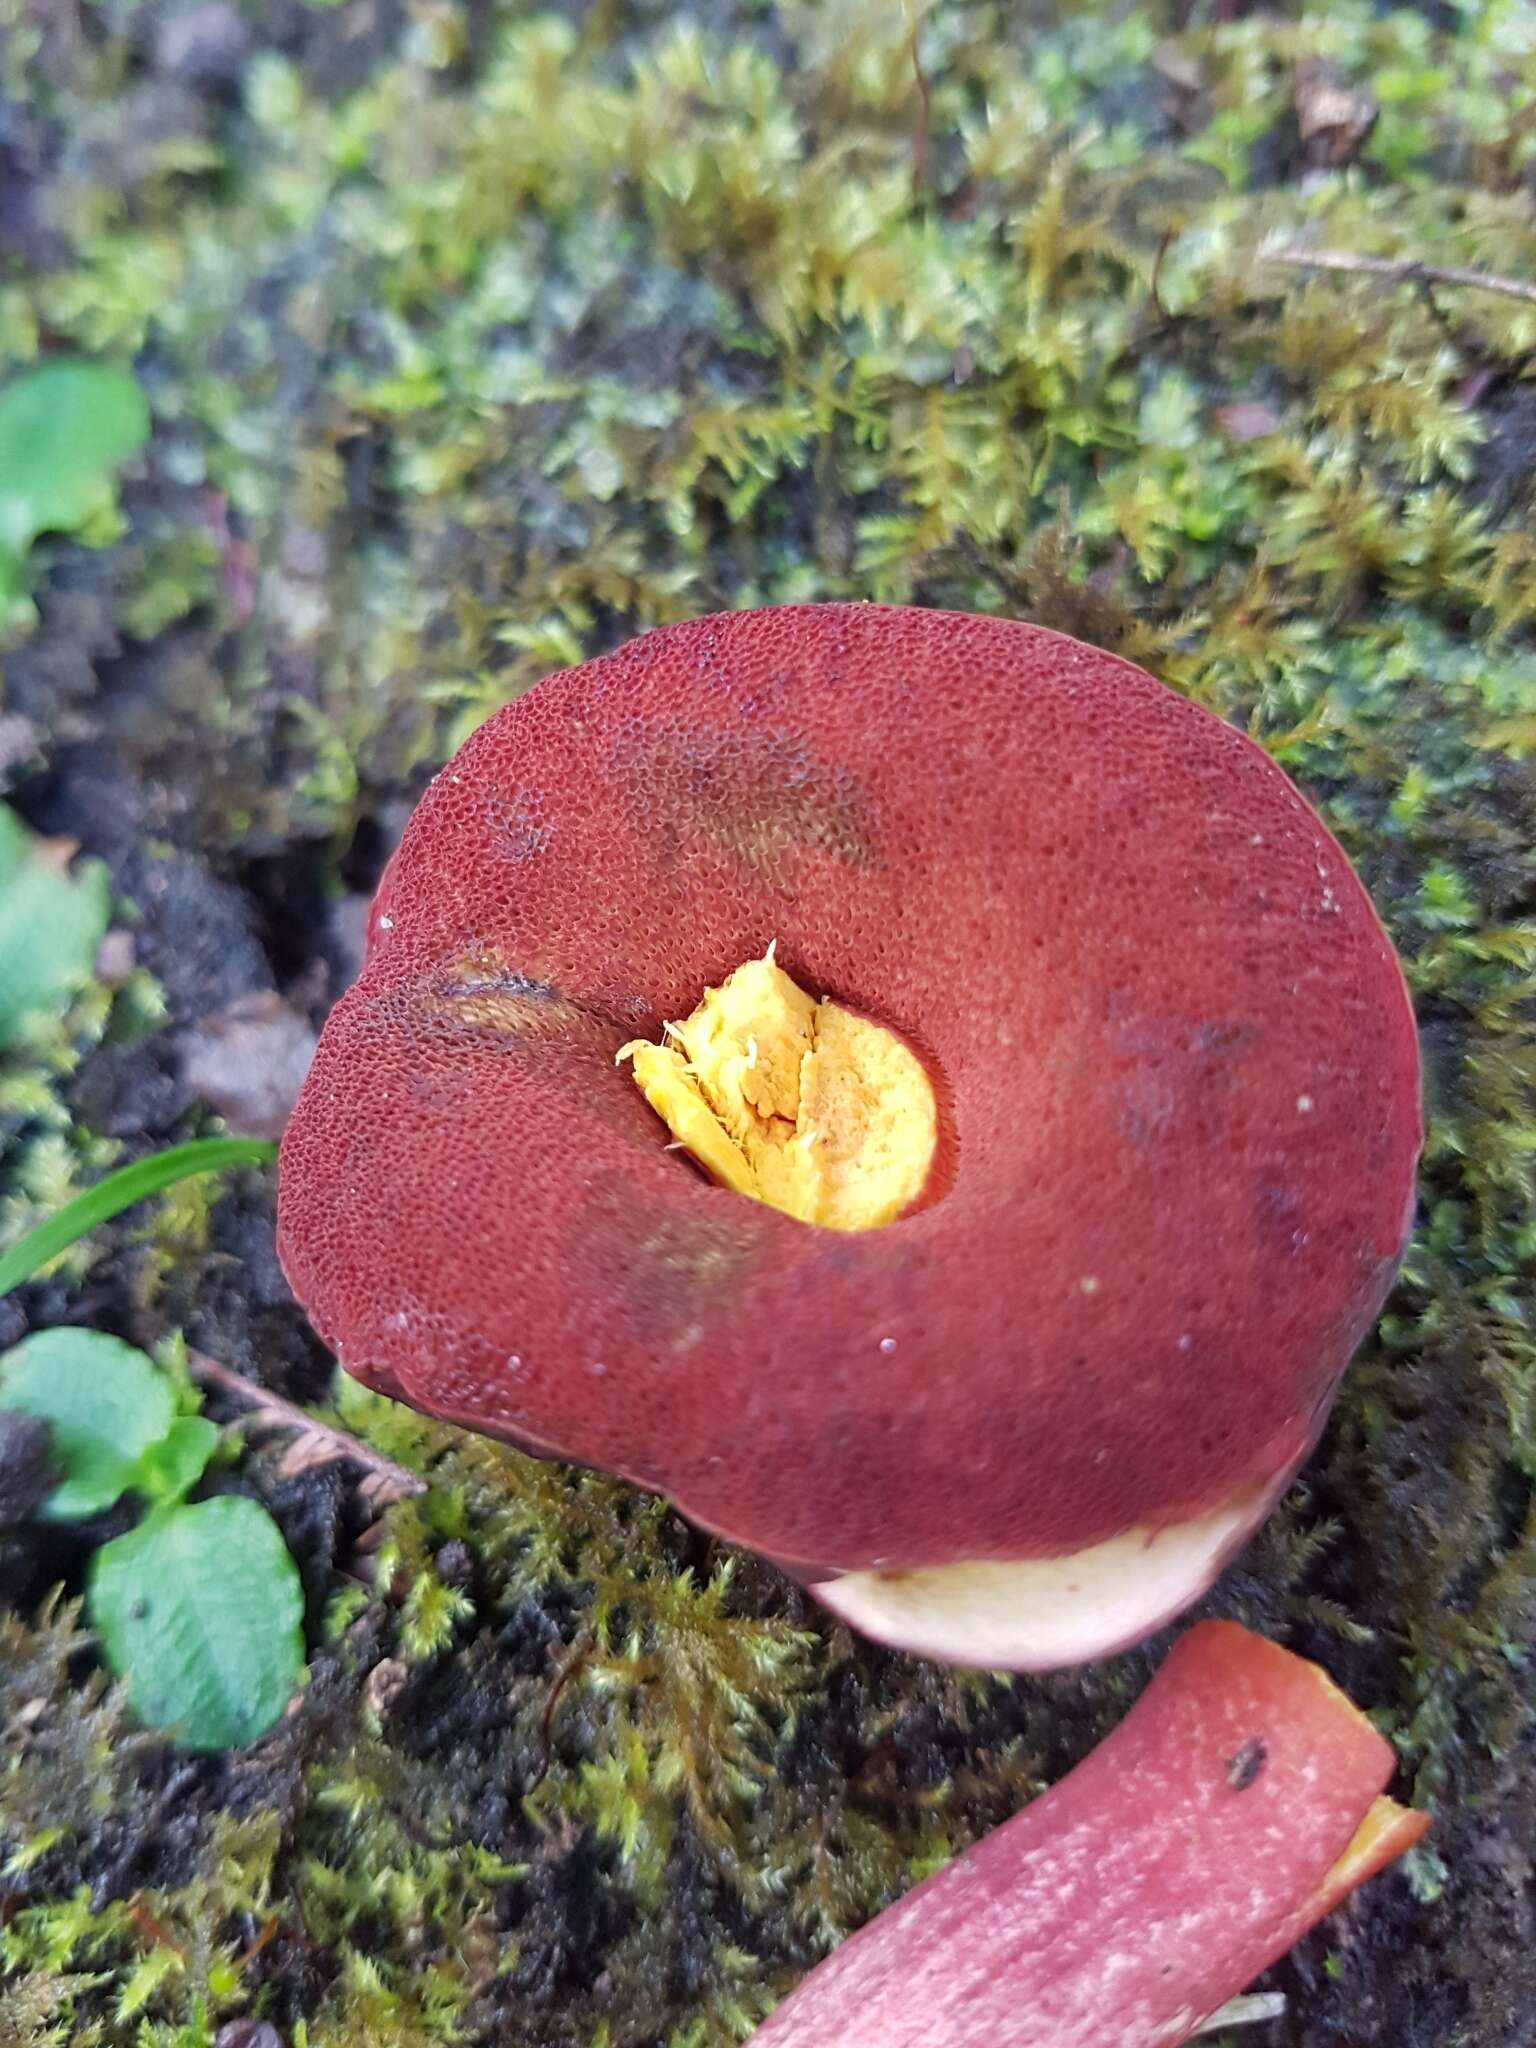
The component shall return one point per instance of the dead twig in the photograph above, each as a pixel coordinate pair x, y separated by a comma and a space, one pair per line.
1402, 271
182, 1780
1153, 290
565, 1671
316, 1443
920, 129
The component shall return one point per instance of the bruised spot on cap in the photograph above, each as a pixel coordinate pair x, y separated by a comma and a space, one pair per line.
674, 1273
762, 797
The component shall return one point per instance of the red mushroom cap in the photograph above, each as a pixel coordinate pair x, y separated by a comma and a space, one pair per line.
1175, 1061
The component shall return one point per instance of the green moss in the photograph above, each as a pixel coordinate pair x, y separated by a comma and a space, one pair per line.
492, 337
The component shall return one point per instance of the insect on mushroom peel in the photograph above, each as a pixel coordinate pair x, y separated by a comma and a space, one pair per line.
1046, 1275
1237, 1803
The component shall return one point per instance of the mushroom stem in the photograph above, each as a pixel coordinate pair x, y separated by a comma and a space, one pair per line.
1235, 1805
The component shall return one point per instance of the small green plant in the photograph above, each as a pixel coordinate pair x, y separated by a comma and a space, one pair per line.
199, 1606
52, 918
64, 429
119, 1191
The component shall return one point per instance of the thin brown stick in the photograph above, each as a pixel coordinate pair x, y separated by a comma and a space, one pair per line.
1157, 272
387, 1481
924, 102
566, 1670
1403, 271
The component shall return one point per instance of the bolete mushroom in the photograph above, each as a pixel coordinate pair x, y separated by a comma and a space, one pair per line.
1236, 1805
1067, 1120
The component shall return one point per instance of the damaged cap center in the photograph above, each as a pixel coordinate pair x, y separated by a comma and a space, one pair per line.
798, 1103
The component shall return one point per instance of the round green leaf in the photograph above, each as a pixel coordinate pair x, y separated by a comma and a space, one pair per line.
64, 428
104, 1403
168, 1470
199, 1610
51, 922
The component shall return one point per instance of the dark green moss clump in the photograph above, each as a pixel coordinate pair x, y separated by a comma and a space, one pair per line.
477, 340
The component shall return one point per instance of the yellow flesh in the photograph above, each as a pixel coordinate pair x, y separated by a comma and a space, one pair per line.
797, 1103
1360, 1860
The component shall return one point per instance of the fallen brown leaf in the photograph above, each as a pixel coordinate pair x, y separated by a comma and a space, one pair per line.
1333, 117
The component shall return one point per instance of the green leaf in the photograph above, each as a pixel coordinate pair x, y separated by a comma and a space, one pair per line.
168, 1470
120, 1191
64, 428
199, 1610
51, 922
104, 1403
